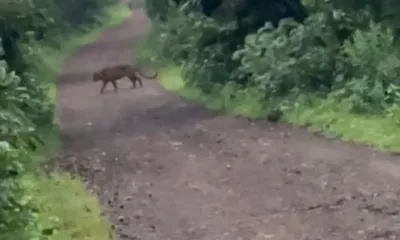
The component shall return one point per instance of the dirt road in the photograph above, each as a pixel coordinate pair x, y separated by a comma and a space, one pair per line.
168, 169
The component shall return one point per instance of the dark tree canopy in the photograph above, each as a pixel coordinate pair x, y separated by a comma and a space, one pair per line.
260, 10
253, 14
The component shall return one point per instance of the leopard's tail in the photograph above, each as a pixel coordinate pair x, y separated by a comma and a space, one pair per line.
148, 77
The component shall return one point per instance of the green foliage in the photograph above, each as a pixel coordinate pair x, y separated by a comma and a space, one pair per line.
333, 117
13, 120
17, 132
372, 67
17, 220
27, 29
292, 57
187, 32
345, 51
229, 98
299, 59
59, 217
157, 9
24, 21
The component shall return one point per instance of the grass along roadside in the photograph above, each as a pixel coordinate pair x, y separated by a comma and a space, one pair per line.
243, 104
324, 115
66, 210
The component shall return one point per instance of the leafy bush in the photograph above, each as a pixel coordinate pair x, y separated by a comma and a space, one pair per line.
25, 107
187, 32
42, 20
371, 66
292, 57
333, 52
157, 9
16, 133
17, 220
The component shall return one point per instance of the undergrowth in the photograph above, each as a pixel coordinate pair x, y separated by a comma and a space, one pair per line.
65, 209
244, 103
336, 71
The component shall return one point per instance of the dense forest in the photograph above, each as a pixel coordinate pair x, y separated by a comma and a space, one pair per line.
286, 54
26, 27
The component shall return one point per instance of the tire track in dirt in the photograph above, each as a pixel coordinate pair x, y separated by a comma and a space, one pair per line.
167, 169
